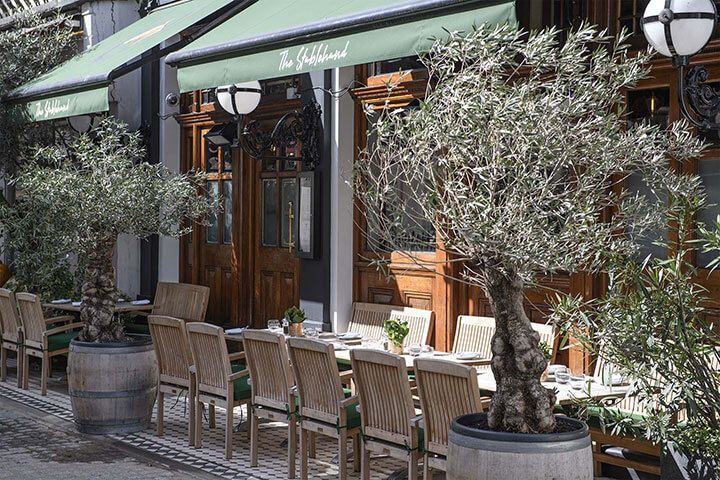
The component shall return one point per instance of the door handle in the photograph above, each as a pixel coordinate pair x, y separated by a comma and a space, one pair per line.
291, 217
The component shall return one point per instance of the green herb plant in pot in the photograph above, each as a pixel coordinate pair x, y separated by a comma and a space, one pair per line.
295, 318
396, 331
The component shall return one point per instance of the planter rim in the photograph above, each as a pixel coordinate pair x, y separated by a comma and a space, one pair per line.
460, 425
138, 340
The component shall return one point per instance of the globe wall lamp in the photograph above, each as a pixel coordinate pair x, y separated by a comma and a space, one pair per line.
242, 99
680, 29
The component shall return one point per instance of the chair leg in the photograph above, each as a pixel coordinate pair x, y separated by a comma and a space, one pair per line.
26, 370
342, 454
160, 413
253, 440
198, 422
49, 368
364, 463
356, 452
211, 415
3, 364
292, 447
427, 471
313, 444
413, 466
19, 370
303, 454
229, 429
191, 419
43, 374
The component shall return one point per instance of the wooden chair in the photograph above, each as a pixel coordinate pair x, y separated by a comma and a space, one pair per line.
447, 390
273, 390
368, 319
178, 300
11, 337
388, 419
420, 323
324, 407
548, 335
215, 381
174, 358
40, 342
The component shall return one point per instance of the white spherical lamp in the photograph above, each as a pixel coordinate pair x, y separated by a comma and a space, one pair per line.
239, 99
679, 28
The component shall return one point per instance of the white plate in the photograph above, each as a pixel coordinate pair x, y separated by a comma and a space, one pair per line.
441, 354
61, 301
339, 346
467, 356
350, 336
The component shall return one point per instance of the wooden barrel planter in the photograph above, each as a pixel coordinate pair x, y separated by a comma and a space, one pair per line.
477, 454
112, 386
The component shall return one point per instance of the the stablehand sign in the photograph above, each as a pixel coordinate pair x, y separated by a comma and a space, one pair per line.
314, 56
52, 108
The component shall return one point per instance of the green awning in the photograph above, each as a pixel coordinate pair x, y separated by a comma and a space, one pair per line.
80, 86
272, 38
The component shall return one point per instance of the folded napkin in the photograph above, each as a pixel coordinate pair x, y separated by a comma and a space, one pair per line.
76, 304
60, 301
234, 331
140, 302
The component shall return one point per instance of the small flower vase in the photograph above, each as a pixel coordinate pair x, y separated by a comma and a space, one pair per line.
396, 349
295, 329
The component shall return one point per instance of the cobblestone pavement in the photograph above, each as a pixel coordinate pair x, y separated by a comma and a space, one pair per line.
34, 445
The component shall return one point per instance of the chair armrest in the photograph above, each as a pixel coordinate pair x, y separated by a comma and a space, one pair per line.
416, 422
237, 356
60, 319
348, 401
346, 376
238, 375
140, 313
64, 328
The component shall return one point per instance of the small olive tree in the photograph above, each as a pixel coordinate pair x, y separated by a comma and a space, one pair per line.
97, 189
515, 154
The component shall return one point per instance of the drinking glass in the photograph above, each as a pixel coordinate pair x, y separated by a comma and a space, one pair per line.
311, 332
415, 350
274, 326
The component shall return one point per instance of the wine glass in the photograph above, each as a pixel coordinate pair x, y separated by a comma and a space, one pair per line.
415, 350
274, 326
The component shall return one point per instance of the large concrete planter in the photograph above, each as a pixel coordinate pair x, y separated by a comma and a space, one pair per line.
476, 454
112, 386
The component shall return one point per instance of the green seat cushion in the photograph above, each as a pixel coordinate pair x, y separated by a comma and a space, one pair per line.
60, 340
343, 365
241, 387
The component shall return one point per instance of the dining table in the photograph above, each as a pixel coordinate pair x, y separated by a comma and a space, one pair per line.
120, 307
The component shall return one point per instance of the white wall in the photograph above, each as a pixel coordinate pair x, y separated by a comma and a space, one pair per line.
341, 231
169, 248
102, 18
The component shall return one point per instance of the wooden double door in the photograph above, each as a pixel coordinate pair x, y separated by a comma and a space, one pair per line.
245, 252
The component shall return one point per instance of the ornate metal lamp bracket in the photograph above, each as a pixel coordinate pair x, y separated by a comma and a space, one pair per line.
293, 127
700, 103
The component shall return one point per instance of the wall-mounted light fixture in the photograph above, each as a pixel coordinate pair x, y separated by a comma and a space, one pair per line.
680, 29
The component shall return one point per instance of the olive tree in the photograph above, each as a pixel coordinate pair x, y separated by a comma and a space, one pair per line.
517, 155
96, 189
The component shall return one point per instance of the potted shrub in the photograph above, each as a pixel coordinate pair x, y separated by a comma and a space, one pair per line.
652, 326
295, 318
97, 188
512, 156
396, 330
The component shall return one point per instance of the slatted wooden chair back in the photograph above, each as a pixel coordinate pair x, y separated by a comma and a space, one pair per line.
547, 335
420, 323
31, 317
172, 349
368, 319
474, 334
386, 405
447, 390
270, 375
181, 300
9, 320
210, 357
317, 379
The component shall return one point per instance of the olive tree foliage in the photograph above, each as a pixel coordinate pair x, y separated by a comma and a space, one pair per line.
96, 189
516, 155
653, 326
32, 47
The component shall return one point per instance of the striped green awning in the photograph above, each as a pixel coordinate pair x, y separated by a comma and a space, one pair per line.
80, 86
272, 38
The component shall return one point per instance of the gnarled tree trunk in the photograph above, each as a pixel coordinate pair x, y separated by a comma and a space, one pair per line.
520, 404
99, 296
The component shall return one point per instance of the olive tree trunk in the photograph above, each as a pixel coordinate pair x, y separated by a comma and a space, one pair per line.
99, 296
520, 404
